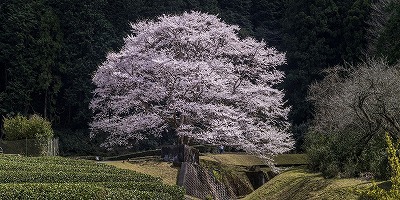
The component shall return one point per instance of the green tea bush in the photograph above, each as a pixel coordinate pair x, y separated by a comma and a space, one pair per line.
65, 177
174, 191
73, 191
12, 166
58, 164
51, 160
136, 194
62, 178
51, 191
56, 160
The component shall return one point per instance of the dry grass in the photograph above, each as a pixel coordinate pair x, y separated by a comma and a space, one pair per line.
234, 159
250, 160
163, 170
169, 174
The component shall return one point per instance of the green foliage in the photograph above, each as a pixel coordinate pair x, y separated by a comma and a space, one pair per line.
310, 40
266, 18
336, 155
16, 128
237, 12
317, 35
78, 142
39, 127
75, 191
23, 128
394, 161
355, 31
87, 36
62, 178
299, 184
66, 177
175, 191
236, 182
20, 127
50, 48
30, 42
388, 43
354, 106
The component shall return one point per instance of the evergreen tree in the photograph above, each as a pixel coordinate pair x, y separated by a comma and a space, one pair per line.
388, 43
355, 31
88, 36
29, 45
266, 18
153, 8
237, 12
120, 13
318, 35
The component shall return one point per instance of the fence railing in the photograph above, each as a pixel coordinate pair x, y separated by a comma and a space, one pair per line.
30, 147
53, 147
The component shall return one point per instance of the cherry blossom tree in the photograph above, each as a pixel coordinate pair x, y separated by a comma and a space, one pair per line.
192, 73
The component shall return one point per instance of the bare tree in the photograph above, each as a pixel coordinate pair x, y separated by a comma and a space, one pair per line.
364, 98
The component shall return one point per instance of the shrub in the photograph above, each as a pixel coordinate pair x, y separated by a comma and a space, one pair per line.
15, 128
39, 128
354, 106
337, 154
20, 127
36, 127
394, 192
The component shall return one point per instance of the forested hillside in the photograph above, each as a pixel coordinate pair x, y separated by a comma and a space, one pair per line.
49, 49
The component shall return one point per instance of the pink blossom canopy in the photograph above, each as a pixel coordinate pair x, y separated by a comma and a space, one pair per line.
193, 73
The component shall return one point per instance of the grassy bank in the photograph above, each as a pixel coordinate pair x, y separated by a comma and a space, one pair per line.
299, 184
294, 184
163, 170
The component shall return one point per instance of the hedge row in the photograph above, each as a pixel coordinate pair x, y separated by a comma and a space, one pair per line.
11, 162
101, 168
74, 191
175, 191
65, 177
47, 159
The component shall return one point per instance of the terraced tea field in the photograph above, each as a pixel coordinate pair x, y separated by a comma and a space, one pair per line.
63, 178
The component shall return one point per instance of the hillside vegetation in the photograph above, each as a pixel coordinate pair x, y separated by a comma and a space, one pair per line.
299, 184
296, 183
63, 178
